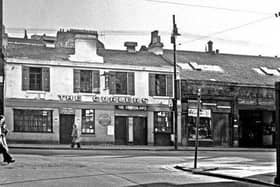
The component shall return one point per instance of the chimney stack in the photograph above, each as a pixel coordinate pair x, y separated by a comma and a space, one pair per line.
130, 46
210, 46
155, 45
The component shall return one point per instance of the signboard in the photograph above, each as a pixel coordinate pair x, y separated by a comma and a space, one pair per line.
131, 107
104, 119
104, 99
202, 113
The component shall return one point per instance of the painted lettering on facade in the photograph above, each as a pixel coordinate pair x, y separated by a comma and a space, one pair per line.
104, 99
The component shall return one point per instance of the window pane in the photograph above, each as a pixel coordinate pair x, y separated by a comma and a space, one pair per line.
32, 120
163, 122
160, 85
88, 125
121, 83
86, 81
35, 78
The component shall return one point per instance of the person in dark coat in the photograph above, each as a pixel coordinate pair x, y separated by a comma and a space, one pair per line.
3, 143
76, 134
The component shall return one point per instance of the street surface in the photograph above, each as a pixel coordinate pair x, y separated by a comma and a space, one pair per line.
48, 167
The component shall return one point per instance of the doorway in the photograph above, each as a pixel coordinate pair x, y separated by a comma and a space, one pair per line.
130, 130
65, 128
250, 128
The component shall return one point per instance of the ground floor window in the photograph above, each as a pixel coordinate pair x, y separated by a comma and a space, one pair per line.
163, 122
88, 125
33, 121
204, 125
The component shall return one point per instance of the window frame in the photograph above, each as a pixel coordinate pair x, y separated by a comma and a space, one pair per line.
84, 122
28, 123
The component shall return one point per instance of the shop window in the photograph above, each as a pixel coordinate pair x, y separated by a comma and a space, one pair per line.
33, 121
160, 85
204, 126
86, 81
163, 122
88, 125
121, 83
35, 78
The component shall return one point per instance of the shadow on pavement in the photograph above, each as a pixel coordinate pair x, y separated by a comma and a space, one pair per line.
216, 184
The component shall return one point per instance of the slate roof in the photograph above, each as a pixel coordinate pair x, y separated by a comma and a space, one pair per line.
237, 68
116, 57
22, 41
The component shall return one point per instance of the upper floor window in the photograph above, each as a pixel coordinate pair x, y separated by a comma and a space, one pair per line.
86, 81
36, 78
121, 83
160, 85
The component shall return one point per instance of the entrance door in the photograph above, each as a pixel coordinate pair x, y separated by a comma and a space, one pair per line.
139, 131
250, 128
65, 128
121, 130
221, 124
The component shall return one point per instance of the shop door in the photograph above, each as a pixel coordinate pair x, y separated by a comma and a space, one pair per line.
221, 124
121, 130
65, 128
250, 128
139, 131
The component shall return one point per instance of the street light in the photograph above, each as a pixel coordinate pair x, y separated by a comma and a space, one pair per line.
175, 109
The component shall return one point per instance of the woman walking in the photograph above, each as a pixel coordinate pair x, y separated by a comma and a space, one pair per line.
3, 142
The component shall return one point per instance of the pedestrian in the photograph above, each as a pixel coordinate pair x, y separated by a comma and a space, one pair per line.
3, 142
75, 136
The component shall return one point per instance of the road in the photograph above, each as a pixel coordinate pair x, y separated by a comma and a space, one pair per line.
47, 167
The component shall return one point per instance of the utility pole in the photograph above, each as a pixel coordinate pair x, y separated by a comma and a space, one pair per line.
277, 132
175, 108
197, 126
1, 61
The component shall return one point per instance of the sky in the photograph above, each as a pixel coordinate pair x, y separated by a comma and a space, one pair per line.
246, 27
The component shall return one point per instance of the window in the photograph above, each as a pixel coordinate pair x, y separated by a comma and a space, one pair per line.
33, 121
35, 78
121, 83
160, 85
163, 122
204, 127
86, 81
88, 126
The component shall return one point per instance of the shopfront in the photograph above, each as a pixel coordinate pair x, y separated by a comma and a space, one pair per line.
101, 119
214, 127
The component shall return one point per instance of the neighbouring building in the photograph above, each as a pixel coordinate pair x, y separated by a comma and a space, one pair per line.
237, 97
114, 96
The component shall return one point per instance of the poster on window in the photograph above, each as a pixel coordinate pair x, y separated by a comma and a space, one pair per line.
110, 130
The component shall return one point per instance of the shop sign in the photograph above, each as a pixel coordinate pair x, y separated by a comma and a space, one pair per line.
104, 119
119, 99
67, 111
202, 113
129, 107
104, 99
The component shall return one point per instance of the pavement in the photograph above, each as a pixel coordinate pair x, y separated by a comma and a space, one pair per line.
234, 169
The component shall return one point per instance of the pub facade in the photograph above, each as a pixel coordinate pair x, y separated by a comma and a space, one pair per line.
114, 96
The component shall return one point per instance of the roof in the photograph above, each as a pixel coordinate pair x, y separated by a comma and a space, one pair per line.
115, 57
22, 41
236, 68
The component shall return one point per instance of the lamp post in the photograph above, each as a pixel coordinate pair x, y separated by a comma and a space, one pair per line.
277, 133
197, 127
175, 108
